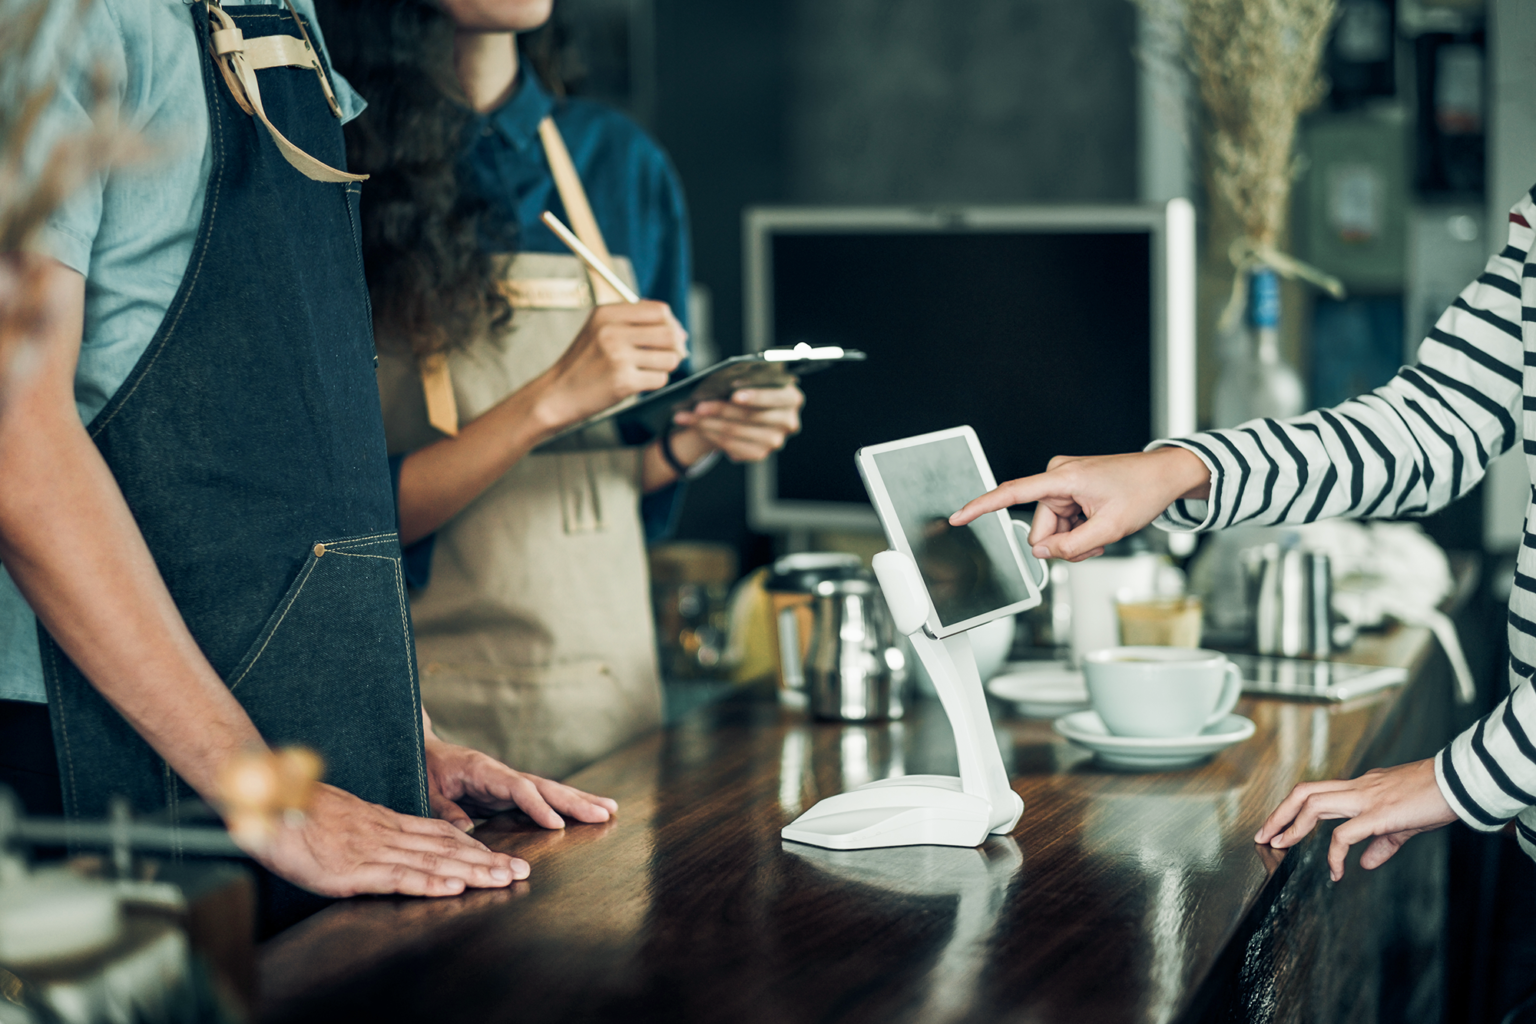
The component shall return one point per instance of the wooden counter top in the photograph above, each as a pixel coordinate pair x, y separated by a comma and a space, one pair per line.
1119, 897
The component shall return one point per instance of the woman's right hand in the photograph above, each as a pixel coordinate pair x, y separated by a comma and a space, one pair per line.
1087, 503
622, 350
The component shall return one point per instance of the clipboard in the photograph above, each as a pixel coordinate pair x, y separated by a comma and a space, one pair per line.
652, 413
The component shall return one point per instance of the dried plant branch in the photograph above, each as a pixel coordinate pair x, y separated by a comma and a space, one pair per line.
1258, 67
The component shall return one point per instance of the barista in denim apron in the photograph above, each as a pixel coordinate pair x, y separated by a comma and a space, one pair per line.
249, 445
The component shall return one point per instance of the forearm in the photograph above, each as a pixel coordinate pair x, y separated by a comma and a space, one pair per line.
71, 545
439, 481
1410, 447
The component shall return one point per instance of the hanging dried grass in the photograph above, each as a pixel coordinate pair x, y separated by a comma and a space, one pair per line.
1258, 67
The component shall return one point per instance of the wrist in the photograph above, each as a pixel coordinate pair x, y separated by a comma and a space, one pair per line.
547, 412
1188, 473
688, 446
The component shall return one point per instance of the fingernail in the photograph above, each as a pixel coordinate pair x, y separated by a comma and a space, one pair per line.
1258, 837
455, 885
501, 875
467, 826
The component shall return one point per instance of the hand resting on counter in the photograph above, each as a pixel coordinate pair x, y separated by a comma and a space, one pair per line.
461, 781
1390, 804
346, 846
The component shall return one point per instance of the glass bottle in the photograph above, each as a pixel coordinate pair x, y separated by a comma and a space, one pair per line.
1254, 380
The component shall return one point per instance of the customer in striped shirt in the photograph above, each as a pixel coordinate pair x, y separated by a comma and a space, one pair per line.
1408, 448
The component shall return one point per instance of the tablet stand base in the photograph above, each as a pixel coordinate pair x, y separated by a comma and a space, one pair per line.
924, 810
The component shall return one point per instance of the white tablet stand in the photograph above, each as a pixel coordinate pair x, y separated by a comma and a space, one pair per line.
924, 810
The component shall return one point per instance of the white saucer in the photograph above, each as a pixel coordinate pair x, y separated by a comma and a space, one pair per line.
1041, 689
1086, 729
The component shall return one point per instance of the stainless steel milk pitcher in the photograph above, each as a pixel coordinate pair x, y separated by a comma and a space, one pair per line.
1293, 602
854, 671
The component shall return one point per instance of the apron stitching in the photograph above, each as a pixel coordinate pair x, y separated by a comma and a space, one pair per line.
69, 757
360, 540
405, 630
216, 131
303, 582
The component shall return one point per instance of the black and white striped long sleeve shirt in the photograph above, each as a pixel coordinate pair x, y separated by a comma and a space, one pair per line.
1411, 448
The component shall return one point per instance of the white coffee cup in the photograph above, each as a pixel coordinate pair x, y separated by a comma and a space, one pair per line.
1161, 691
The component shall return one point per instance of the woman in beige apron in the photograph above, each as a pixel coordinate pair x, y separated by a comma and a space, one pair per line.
534, 635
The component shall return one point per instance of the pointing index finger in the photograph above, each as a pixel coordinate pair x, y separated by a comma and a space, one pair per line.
1014, 492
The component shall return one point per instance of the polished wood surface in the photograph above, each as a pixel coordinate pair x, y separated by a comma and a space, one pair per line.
1119, 897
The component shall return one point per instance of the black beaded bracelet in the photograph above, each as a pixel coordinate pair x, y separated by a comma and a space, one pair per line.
672, 460
683, 472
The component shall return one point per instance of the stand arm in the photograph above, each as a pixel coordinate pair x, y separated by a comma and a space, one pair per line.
952, 667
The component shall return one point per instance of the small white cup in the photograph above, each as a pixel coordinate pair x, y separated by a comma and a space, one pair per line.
1161, 691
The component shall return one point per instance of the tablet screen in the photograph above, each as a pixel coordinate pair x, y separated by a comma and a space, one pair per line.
969, 570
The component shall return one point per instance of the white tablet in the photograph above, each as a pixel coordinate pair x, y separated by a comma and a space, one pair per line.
974, 573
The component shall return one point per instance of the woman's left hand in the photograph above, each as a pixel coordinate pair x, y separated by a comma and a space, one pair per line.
1386, 805
754, 424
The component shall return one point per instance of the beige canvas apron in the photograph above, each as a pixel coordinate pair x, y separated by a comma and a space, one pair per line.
535, 634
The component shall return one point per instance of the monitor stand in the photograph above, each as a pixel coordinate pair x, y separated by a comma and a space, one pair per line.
924, 810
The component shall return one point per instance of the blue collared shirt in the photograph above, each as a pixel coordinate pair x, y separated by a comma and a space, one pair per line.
629, 181
634, 194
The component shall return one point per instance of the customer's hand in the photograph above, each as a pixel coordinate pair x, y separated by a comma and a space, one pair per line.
1088, 502
753, 425
1391, 804
461, 781
347, 846
622, 350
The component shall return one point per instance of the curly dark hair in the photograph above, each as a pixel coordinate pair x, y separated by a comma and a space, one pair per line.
426, 233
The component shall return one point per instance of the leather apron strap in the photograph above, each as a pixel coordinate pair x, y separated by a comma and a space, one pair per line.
436, 381
240, 58
574, 198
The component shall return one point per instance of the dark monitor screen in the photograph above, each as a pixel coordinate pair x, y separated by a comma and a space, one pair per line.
1040, 340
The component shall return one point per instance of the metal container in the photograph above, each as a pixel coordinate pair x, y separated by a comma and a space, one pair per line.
853, 669
1293, 602
791, 590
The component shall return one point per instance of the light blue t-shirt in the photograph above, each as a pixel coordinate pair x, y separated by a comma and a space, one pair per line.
130, 231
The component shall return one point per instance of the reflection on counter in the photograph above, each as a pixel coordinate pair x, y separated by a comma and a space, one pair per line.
979, 878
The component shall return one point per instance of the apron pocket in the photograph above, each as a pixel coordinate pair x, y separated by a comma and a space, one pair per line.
327, 667
545, 719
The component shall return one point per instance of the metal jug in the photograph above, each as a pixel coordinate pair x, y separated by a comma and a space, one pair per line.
854, 671
790, 587
1292, 602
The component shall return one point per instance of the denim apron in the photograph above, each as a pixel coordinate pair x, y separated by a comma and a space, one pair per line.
249, 445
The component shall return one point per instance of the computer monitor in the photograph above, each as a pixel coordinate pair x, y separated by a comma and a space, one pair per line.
1052, 330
